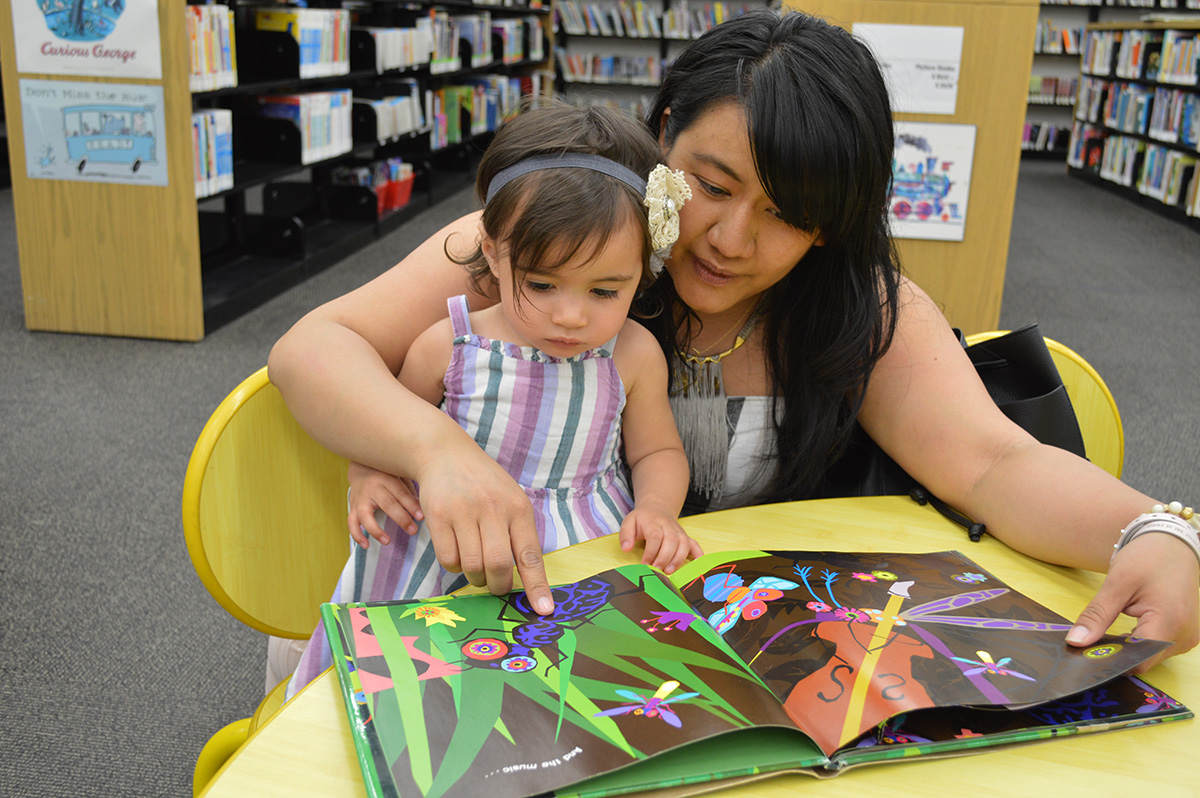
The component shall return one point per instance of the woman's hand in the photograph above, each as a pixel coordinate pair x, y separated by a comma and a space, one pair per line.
667, 545
1155, 579
372, 490
481, 523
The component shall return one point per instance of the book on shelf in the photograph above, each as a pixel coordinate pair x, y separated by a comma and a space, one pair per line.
511, 33
476, 29
212, 150
397, 114
1044, 137
1189, 120
738, 666
1099, 48
1179, 58
1086, 147
212, 47
324, 119
1120, 159
402, 48
444, 56
323, 36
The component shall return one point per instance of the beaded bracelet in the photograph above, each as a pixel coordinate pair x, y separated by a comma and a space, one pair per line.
1171, 519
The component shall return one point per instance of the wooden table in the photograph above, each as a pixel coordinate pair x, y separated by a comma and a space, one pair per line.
306, 748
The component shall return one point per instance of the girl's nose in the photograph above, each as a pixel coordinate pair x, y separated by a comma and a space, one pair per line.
568, 312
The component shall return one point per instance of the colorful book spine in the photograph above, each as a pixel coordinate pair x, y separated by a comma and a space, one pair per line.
324, 120
323, 36
212, 149
211, 47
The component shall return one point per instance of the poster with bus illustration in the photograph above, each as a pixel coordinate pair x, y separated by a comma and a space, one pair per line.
94, 132
101, 38
931, 180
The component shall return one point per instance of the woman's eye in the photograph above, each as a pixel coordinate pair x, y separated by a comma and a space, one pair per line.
709, 188
605, 293
537, 288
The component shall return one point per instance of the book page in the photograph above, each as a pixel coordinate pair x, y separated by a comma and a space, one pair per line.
849, 640
478, 695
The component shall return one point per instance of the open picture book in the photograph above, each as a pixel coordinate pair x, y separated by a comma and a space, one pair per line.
740, 664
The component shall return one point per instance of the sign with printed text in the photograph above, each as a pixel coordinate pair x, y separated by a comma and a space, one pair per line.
921, 64
100, 38
94, 132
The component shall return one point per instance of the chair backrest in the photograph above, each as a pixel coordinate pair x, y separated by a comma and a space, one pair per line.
264, 512
1095, 408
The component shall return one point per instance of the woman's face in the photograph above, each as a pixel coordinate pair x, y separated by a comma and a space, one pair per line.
733, 244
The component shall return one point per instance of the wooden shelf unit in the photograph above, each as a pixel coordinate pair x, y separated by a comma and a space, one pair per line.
156, 262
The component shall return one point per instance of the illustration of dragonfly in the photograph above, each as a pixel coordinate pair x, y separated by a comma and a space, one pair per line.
986, 665
657, 706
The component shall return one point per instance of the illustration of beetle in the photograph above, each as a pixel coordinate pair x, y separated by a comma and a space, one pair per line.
574, 605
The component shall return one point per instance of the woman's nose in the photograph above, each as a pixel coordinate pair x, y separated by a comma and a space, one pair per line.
733, 234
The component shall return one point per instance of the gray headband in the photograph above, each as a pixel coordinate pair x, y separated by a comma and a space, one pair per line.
576, 160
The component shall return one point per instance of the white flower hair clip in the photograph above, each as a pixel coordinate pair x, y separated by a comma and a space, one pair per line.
666, 191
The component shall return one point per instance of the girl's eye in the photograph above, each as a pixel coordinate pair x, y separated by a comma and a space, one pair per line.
537, 288
606, 293
709, 188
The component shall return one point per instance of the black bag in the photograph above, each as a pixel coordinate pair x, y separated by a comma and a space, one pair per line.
1021, 378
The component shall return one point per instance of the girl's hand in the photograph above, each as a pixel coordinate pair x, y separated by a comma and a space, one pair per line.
1154, 579
667, 545
372, 491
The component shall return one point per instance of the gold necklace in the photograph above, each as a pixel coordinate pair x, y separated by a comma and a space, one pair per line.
697, 357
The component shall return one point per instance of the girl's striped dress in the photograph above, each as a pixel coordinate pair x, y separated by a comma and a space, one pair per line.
553, 423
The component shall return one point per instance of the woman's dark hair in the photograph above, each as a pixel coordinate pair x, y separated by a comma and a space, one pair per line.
545, 217
821, 137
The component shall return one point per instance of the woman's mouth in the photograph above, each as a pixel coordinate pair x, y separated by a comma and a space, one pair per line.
710, 274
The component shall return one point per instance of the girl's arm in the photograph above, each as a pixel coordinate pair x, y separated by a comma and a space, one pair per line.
336, 369
654, 453
926, 407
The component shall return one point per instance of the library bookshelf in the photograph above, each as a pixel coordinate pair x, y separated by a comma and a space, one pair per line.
161, 262
1137, 117
1056, 51
613, 52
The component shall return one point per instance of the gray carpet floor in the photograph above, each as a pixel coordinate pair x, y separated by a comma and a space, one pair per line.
117, 665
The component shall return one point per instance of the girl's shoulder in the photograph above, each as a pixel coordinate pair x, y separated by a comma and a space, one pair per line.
637, 351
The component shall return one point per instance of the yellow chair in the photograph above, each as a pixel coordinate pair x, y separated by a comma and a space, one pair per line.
1095, 408
264, 518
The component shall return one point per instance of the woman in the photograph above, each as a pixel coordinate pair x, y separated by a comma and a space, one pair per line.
784, 294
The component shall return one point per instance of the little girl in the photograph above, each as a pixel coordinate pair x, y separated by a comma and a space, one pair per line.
554, 382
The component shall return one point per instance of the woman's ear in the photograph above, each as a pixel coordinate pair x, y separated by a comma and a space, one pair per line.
662, 130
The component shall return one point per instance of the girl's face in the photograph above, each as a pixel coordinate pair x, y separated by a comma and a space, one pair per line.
577, 306
733, 244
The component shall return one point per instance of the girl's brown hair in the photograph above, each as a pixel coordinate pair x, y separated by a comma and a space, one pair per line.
545, 218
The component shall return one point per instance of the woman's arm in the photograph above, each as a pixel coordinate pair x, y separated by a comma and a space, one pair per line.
336, 369
927, 408
654, 453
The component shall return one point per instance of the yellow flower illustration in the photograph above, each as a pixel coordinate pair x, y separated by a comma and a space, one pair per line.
432, 614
